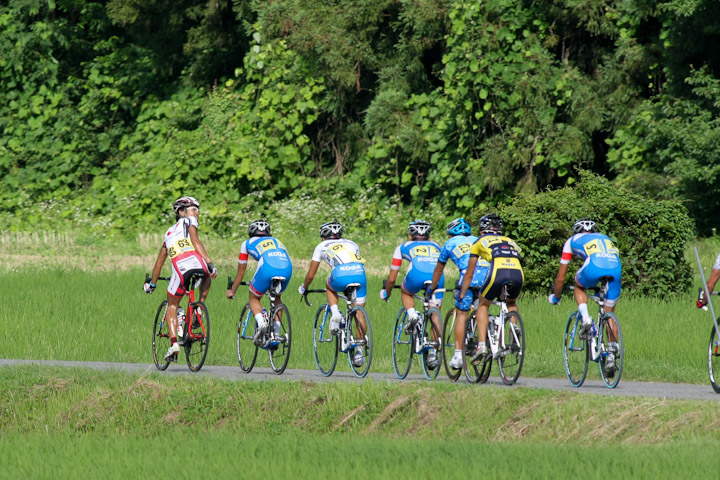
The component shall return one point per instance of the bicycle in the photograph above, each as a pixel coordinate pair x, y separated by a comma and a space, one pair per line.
506, 339
423, 337
327, 345
580, 347
469, 344
277, 340
714, 353
195, 337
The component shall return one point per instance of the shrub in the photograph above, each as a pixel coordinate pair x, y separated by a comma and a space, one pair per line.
651, 235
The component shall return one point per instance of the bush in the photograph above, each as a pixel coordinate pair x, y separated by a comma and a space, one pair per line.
651, 235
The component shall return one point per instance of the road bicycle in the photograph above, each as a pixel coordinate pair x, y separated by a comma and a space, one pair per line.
469, 344
714, 355
423, 338
352, 335
277, 340
506, 339
195, 334
579, 346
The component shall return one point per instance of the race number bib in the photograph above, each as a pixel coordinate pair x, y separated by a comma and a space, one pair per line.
600, 245
461, 250
424, 251
181, 246
339, 253
266, 246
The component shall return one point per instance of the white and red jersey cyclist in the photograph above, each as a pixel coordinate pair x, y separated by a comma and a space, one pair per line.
186, 261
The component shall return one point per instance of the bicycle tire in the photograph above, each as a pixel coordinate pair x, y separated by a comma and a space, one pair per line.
714, 359
197, 338
402, 345
430, 331
610, 381
161, 338
449, 345
474, 372
246, 350
325, 345
576, 351
280, 353
366, 343
511, 361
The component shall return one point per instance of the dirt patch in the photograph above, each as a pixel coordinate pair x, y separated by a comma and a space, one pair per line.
389, 412
85, 263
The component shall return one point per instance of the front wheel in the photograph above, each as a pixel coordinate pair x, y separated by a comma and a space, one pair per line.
246, 349
281, 340
197, 339
325, 344
714, 359
431, 340
609, 373
161, 338
402, 345
512, 348
448, 346
576, 351
359, 338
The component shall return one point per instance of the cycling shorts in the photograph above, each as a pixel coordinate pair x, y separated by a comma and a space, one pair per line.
414, 282
345, 274
492, 287
589, 275
183, 270
470, 296
262, 280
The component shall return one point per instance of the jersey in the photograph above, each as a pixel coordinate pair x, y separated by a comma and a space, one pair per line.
457, 249
337, 251
422, 254
273, 261
186, 261
716, 266
499, 250
600, 259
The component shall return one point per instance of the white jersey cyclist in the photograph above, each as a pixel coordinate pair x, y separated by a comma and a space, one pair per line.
347, 265
186, 261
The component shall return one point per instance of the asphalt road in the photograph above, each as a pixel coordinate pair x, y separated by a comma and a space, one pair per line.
592, 387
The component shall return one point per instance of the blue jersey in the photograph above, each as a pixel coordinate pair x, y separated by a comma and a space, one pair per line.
267, 251
596, 247
422, 255
457, 249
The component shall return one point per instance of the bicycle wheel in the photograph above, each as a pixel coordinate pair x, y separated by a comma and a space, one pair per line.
363, 340
714, 358
449, 345
161, 338
576, 351
611, 376
281, 342
246, 350
431, 339
474, 372
325, 345
197, 339
512, 348
402, 345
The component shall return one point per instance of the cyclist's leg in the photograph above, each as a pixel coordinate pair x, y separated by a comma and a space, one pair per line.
175, 292
584, 278
613, 295
436, 301
482, 318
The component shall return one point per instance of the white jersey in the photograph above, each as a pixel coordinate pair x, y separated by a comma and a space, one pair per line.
177, 238
337, 251
716, 266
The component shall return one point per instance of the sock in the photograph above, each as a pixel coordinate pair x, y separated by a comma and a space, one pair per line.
582, 308
173, 341
411, 312
260, 319
458, 352
277, 327
335, 310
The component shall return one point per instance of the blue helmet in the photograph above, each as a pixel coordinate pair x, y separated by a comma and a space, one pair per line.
459, 227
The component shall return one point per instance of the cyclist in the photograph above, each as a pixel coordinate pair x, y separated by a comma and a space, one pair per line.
273, 261
188, 257
422, 254
457, 249
600, 259
711, 282
503, 254
348, 267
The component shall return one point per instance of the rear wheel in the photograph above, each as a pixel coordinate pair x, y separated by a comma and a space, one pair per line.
512, 348
281, 341
431, 339
246, 349
161, 338
611, 374
474, 372
448, 346
197, 338
576, 351
402, 345
360, 337
714, 359
325, 345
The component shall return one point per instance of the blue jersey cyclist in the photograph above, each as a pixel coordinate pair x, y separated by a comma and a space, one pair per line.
348, 267
600, 259
457, 249
422, 255
273, 261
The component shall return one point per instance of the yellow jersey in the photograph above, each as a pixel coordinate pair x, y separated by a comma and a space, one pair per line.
499, 250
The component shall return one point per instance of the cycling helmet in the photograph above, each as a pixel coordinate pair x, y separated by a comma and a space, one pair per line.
584, 225
419, 228
331, 230
184, 202
459, 227
491, 223
258, 228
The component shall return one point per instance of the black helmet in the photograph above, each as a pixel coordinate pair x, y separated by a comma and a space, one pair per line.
185, 202
258, 228
584, 225
491, 223
459, 227
331, 230
419, 228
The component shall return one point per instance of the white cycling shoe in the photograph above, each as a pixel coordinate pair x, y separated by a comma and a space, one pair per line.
171, 355
456, 361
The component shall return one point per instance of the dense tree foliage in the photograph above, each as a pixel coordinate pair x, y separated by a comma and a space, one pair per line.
449, 103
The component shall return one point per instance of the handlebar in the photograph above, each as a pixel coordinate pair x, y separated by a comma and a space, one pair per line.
305, 295
230, 284
148, 278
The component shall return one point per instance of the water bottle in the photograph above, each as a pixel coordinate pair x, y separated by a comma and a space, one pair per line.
265, 313
180, 321
593, 342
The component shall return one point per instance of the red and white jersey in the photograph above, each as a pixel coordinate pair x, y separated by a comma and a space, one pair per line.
177, 239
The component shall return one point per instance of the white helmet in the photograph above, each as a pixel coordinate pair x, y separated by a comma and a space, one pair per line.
185, 202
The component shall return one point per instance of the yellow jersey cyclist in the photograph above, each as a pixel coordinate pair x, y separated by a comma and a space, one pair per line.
273, 261
457, 249
422, 255
188, 257
348, 267
505, 268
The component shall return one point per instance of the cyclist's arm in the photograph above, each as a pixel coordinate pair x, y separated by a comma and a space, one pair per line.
200, 247
162, 255
560, 280
311, 274
467, 278
712, 281
437, 273
390, 284
238, 278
